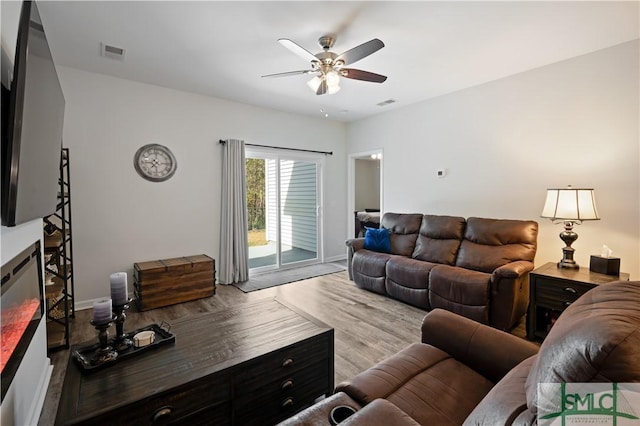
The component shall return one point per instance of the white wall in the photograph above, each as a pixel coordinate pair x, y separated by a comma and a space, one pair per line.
10, 16
503, 143
119, 218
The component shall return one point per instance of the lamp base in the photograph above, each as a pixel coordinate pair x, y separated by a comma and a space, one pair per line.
568, 236
568, 265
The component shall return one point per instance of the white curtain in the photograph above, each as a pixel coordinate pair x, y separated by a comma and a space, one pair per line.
234, 246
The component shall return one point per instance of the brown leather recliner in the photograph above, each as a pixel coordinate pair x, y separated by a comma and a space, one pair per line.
467, 373
478, 268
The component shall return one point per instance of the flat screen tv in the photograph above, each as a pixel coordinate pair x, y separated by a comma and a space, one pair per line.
32, 120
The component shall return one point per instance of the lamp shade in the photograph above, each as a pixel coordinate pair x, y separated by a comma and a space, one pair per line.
333, 79
332, 90
314, 83
574, 204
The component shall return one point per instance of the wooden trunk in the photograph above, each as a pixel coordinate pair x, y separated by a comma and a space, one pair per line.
169, 281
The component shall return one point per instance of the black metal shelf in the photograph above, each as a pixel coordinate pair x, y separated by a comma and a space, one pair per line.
58, 249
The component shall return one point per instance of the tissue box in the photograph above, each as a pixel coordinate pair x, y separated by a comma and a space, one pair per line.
605, 265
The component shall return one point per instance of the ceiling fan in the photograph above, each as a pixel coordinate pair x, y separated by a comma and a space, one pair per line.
329, 67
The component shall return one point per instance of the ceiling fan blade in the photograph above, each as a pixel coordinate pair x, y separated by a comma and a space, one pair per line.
359, 52
322, 89
285, 74
362, 75
297, 49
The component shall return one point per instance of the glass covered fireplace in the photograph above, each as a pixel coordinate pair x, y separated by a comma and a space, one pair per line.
21, 307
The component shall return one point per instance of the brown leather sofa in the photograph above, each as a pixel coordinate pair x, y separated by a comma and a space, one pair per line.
478, 268
467, 373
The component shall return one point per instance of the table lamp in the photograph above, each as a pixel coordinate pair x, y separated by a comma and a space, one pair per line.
571, 206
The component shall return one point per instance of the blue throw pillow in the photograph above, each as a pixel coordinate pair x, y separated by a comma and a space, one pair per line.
377, 240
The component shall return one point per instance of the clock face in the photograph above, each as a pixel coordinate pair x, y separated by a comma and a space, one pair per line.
155, 162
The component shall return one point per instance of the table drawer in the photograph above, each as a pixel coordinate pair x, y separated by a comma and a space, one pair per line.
557, 294
170, 406
280, 363
279, 399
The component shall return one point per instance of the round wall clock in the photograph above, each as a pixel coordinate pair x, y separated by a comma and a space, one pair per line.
155, 162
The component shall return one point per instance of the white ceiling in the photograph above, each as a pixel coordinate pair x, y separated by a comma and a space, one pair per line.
221, 48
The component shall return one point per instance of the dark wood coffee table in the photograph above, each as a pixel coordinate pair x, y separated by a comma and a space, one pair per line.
257, 363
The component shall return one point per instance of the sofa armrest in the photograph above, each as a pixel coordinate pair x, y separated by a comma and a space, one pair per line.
490, 352
509, 294
353, 245
318, 413
512, 270
378, 412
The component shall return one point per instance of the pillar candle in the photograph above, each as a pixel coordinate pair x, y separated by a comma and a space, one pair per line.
102, 311
119, 292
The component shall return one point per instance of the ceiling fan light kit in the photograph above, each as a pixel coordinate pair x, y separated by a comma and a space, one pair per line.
329, 67
331, 79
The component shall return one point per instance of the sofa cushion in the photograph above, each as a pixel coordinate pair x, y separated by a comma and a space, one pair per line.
439, 239
506, 401
408, 280
368, 268
424, 382
491, 243
377, 240
461, 291
596, 339
404, 229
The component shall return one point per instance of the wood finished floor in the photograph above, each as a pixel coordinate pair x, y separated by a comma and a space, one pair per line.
368, 327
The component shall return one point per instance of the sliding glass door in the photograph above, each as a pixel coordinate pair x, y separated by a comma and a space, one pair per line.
283, 206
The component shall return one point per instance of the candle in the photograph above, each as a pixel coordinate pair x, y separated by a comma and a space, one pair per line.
119, 292
102, 311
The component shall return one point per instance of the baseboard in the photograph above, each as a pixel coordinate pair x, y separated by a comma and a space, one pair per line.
81, 305
335, 258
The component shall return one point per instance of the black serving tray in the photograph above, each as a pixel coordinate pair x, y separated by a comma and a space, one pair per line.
83, 354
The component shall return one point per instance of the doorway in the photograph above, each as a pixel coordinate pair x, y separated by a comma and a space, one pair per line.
365, 173
283, 206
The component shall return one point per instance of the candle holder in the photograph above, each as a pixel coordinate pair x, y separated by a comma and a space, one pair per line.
104, 353
122, 341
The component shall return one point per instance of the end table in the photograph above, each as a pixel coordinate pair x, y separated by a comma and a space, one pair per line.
553, 289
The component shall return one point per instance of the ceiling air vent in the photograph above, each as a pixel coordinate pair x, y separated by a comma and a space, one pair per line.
387, 102
112, 52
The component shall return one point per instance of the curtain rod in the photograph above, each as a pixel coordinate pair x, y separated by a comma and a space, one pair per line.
288, 149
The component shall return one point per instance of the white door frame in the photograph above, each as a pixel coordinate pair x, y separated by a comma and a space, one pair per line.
351, 176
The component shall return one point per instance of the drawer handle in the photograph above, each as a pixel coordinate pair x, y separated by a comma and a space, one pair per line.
571, 290
161, 414
287, 384
287, 362
287, 403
